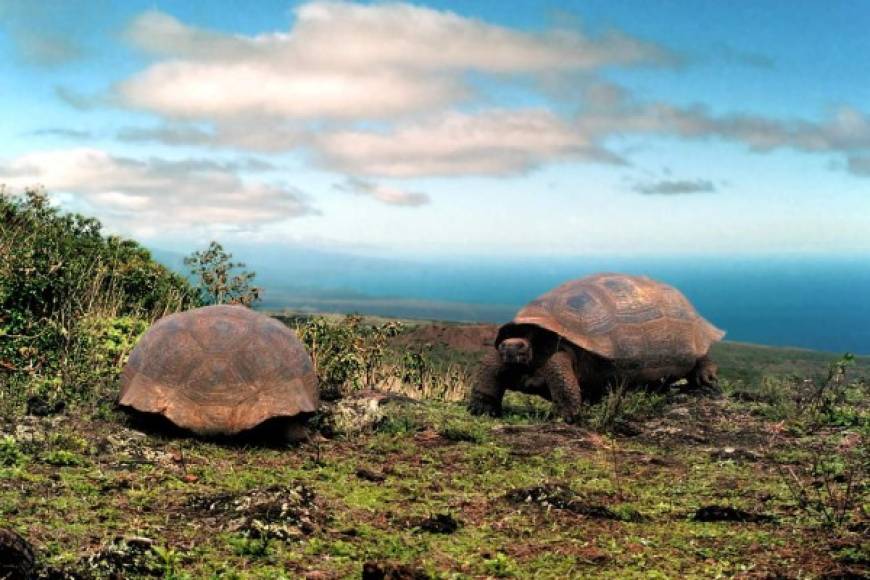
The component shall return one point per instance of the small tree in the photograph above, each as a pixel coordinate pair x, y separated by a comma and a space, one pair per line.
216, 279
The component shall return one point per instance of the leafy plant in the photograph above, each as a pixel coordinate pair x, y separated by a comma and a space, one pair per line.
257, 547
500, 566
832, 485
348, 354
63, 458
621, 404
10, 453
169, 559
217, 280
57, 272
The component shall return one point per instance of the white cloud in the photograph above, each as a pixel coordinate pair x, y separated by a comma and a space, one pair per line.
375, 90
157, 194
384, 193
615, 112
496, 142
348, 61
675, 187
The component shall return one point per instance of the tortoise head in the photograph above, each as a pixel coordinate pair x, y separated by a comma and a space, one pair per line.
516, 351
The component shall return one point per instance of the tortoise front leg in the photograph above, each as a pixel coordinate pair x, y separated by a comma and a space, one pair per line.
488, 390
558, 372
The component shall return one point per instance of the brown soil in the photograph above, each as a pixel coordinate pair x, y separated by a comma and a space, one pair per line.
464, 338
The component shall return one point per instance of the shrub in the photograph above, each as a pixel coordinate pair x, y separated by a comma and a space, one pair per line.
10, 453
59, 274
348, 354
217, 280
63, 458
831, 485
620, 405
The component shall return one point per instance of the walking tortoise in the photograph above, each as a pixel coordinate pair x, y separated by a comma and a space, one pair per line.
593, 332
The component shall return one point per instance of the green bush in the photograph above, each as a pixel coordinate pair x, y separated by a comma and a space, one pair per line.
10, 453
219, 279
621, 405
348, 354
71, 299
63, 458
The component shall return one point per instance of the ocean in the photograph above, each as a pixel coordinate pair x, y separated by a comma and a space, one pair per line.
816, 303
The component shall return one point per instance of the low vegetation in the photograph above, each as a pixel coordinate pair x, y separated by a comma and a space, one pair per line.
72, 302
767, 479
219, 280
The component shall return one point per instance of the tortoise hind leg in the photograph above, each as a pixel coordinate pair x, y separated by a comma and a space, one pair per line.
704, 376
488, 390
294, 431
561, 379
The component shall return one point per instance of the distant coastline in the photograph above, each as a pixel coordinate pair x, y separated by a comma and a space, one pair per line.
816, 303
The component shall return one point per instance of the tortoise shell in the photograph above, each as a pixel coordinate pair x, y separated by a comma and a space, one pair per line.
629, 319
219, 370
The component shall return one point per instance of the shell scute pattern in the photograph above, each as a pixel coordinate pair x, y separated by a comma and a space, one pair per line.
218, 335
175, 363
631, 320
219, 369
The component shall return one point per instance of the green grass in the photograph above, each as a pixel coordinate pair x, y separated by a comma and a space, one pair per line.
82, 482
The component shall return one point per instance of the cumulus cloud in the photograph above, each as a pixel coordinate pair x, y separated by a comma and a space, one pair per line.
157, 195
384, 193
62, 132
616, 112
377, 89
79, 101
259, 135
496, 142
675, 187
349, 61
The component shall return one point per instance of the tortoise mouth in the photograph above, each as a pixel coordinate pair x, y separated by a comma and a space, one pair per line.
515, 351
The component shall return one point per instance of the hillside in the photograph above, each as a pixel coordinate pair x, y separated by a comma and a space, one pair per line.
671, 486
737, 361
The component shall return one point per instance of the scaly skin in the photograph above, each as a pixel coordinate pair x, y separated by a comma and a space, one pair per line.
558, 372
555, 381
489, 387
704, 376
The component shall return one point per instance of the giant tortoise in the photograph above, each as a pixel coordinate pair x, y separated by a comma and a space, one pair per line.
221, 370
594, 332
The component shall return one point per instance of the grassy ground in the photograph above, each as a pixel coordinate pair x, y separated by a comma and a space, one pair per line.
434, 492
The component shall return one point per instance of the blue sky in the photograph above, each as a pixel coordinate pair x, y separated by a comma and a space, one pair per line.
520, 128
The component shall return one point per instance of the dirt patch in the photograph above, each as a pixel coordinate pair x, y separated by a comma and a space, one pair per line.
279, 512
370, 475
391, 571
466, 338
560, 497
439, 524
528, 440
713, 513
121, 558
705, 422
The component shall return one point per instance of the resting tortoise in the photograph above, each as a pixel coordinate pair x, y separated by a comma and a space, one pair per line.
592, 332
221, 370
